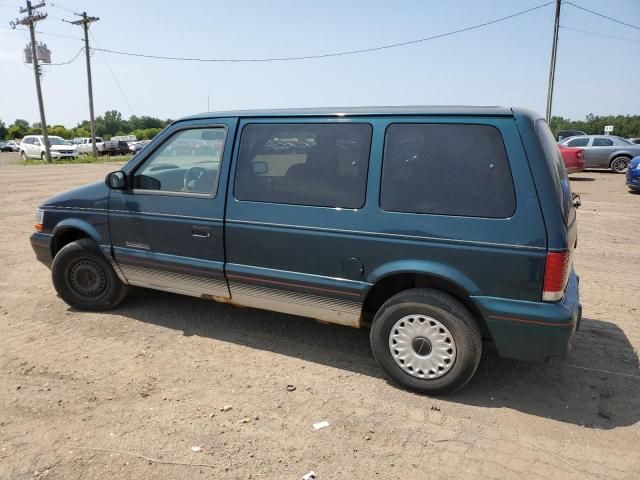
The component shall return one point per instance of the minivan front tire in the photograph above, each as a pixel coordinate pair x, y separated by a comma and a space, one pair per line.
85, 279
426, 341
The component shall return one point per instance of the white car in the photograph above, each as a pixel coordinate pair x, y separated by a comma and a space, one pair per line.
32, 146
15, 146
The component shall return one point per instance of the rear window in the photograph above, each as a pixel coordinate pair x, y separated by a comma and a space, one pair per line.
446, 169
556, 165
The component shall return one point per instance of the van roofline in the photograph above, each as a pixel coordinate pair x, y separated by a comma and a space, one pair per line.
357, 111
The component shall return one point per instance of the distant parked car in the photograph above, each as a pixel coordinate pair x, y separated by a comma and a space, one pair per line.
15, 146
562, 134
135, 147
32, 146
633, 175
605, 151
573, 158
635, 140
5, 147
108, 147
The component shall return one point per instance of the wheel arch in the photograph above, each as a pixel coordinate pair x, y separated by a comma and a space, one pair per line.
442, 278
618, 155
70, 230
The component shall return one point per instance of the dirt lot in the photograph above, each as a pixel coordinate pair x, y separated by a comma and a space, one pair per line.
127, 394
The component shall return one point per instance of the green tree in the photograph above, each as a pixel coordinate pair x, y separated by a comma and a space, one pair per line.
112, 122
60, 131
18, 130
3, 130
623, 125
81, 132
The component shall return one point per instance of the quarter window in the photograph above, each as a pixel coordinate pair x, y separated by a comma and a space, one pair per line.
189, 162
578, 142
322, 165
446, 169
602, 142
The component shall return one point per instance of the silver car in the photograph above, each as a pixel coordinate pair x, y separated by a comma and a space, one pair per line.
604, 151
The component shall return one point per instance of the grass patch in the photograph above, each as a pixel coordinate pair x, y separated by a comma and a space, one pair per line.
81, 159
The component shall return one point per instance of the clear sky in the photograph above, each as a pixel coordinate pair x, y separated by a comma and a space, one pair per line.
502, 64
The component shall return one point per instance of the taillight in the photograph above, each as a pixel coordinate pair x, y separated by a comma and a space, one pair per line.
556, 274
579, 154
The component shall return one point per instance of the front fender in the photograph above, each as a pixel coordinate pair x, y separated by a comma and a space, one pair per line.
424, 267
78, 224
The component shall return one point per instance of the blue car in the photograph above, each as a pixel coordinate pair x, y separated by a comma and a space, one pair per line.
633, 175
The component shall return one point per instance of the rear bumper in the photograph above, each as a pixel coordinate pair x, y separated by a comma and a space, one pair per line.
533, 330
41, 244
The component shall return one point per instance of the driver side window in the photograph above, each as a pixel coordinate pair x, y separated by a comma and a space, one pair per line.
188, 162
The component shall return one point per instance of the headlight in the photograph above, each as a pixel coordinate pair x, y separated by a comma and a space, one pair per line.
39, 220
637, 166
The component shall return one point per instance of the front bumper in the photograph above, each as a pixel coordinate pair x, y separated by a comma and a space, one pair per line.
533, 330
633, 181
41, 244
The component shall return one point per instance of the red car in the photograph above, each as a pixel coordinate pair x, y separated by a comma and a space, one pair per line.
573, 158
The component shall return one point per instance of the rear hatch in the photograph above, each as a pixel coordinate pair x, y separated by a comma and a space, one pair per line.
563, 247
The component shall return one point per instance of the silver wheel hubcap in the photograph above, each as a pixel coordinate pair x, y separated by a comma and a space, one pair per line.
422, 346
620, 165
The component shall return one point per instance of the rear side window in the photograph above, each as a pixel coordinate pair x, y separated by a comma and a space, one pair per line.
446, 169
578, 142
602, 142
323, 165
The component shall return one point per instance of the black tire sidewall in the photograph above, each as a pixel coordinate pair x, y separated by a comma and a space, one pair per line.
66, 258
466, 337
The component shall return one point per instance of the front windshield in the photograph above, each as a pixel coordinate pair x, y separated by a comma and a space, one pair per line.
56, 141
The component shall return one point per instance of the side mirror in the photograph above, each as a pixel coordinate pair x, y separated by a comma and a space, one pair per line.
259, 168
116, 180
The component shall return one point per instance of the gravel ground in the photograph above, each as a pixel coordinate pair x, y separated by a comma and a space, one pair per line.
127, 394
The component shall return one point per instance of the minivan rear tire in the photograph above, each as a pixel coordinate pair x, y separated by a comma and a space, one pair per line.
84, 278
427, 341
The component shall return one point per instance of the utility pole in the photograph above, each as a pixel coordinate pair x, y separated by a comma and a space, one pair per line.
85, 21
552, 67
30, 20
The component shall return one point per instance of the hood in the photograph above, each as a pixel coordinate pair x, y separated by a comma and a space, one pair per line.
93, 197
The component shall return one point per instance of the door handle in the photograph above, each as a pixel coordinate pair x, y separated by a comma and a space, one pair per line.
203, 232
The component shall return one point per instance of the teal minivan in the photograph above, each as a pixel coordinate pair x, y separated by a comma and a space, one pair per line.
436, 227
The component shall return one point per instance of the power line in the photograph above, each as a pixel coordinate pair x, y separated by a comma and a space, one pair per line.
57, 5
104, 58
69, 61
603, 15
43, 33
599, 34
326, 55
